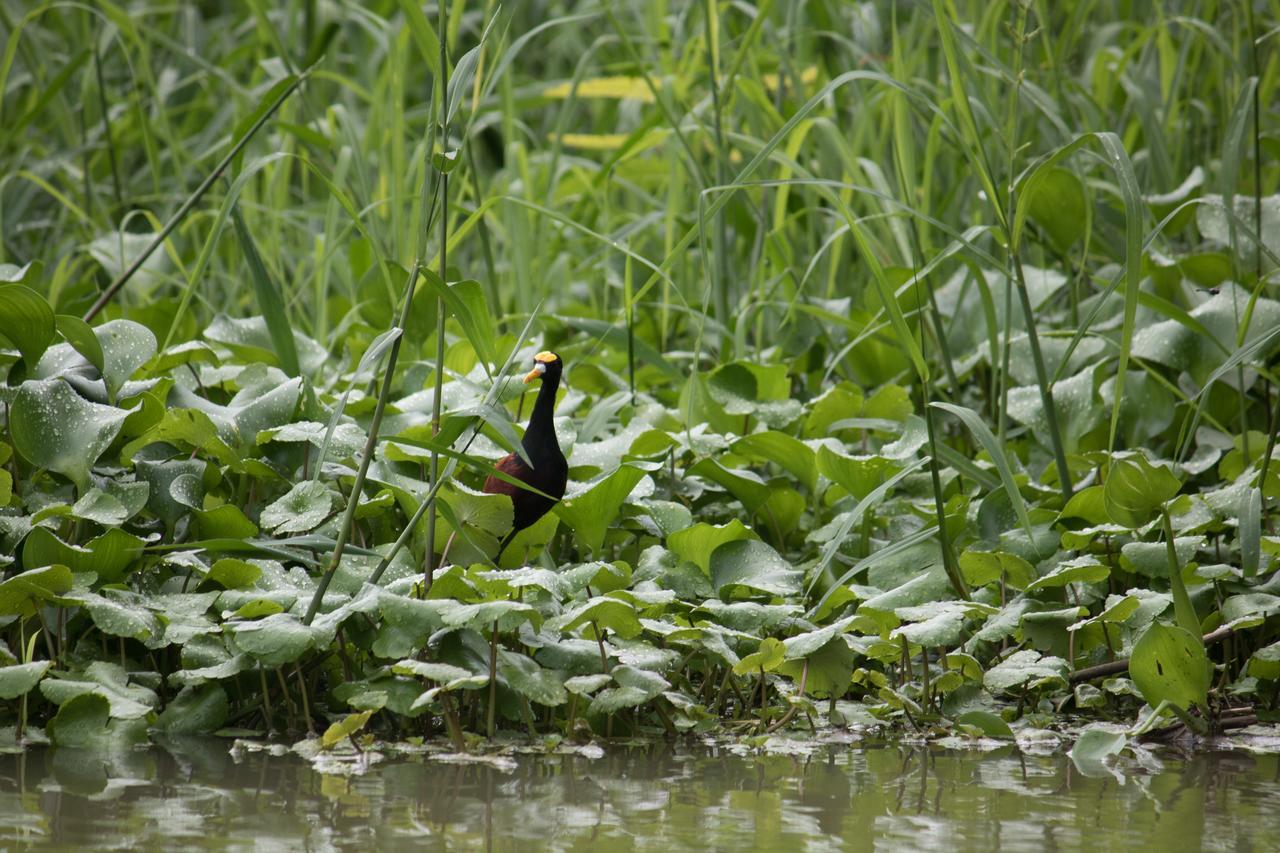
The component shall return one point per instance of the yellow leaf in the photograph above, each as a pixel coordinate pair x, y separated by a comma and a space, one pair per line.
606, 87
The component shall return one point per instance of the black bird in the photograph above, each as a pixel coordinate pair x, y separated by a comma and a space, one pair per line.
550, 471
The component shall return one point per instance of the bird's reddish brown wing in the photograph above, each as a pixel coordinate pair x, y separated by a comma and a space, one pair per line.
513, 466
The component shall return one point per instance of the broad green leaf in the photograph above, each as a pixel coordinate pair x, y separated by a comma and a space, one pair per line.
753, 564
768, 658
126, 346
1170, 664
1135, 490
989, 443
696, 544
18, 679
347, 727
991, 725
1058, 206
1094, 745
27, 320
273, 640
523, 675
55, 428
590, 513
634, 687
300, 509
84, 722
110, 555
606, 613
22, 593
201, 709
1024, 670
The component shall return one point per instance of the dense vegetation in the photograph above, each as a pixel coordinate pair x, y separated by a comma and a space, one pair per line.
920, 367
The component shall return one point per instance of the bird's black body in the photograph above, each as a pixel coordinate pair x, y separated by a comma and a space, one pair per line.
550, 471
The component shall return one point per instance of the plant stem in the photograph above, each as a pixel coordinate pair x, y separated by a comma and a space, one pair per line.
357, 487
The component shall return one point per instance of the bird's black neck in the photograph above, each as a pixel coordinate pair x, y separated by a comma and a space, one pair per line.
540, 436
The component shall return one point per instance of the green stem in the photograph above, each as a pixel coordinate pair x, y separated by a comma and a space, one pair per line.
1182, 609
357, 487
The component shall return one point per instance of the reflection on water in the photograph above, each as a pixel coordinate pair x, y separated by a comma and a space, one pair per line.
194, 795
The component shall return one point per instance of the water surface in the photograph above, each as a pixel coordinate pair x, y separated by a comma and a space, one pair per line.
197, 795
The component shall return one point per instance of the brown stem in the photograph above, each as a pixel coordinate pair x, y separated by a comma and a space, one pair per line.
1117, 666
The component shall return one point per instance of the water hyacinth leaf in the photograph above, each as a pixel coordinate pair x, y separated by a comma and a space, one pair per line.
109, 555
634, 687
696, 544
1058, 206
591, 512
767, 658
125, 701
827, 671
250, 339
611, 614
231, 573
18, 679
754, 565
101, 508
523, 675
83, 340
1135, 490
118, 613
22, 593
201, 709
126, 346
84, 722
300, 509
274, 640
991, 725
1026, 669
347, 727
56, 429
27, 320
789, 453
1169, 664
1095, 745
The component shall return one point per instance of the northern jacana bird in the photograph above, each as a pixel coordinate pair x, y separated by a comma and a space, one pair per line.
550, 471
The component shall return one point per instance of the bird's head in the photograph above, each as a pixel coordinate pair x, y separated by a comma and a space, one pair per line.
546, 365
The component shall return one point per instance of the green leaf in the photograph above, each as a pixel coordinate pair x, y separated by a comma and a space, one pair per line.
1023, 670
611, 614
1057, 204
344, 728
21, 594
1095, 745
83, 722
589, 513
27, 320
768, 658
232, 573
1170, 664
81, 336
109, 555
126, 346
991, 725
1135, 490
201, 709
274, 640
300, 509
695, 544
18, 679
635, 687
55, 428
270, 302
753, 564
995, 450
526, 677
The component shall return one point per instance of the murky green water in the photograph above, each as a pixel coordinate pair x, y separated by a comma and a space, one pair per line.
195, 795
